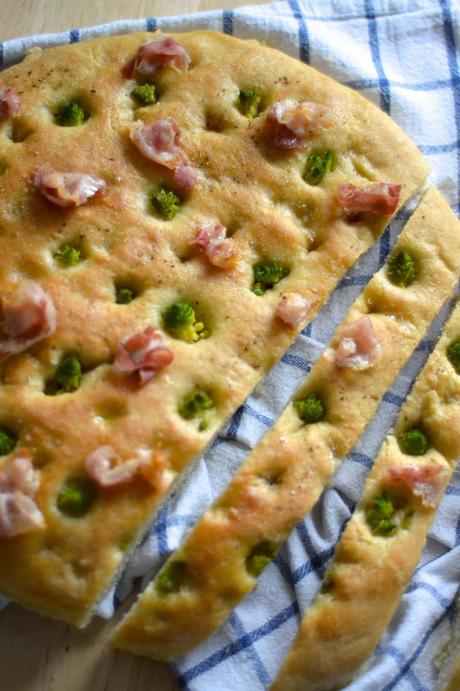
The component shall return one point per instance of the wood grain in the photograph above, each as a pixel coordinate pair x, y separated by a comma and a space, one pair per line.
38, 654
28, 17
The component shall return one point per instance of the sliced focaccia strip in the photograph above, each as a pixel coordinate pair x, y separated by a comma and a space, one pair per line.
384, 539
285, 474
119, 171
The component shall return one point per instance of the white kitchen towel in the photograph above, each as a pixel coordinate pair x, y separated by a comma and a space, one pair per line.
402, 55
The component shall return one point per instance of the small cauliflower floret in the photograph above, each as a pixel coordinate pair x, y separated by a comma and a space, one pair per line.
67, 378
76, 497
143, 354
453, 355
68, 255
70, 114
268, 275
19, 481
380, 198
414, 442
425, 481
8, 440
166, 202
27, 316
171, 576
380, 516
9, 101
144, 94
310, 409
290, 124
249, 103
196, 405
318, 164
259, 558
358, 346
155, 55
402, 269
69, 190
181, 322
101, 466
220, 250
293, 308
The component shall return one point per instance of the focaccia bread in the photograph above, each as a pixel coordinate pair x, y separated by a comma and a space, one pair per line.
382, 543
170, 216
282, 478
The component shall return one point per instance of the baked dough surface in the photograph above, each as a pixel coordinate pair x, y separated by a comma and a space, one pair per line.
369, 573
65, 568
283, 477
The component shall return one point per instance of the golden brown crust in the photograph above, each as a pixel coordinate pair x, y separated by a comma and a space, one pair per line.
65, 569
370, 572
284, 476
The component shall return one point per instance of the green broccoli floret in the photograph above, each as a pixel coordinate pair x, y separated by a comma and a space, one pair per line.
76, 497
318, 164
67, 377
144, 94
327, 585
413, 442
166, 202
68, 374
402, 269
8, 440
267, 275
69, 114
171, 576
68, 255
250, 102
380, 515
195, 405
310, 409
259, 558
125, 296
181, 322
453, 355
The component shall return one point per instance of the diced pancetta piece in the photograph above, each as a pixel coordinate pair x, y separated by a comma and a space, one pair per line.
152, 56
381, 198
292, 308
9, 101
19, 475
26, 317
69, 190
185, 175
160, 143
358, 346
101, 466
220, 250
18, 514
19, 481
291, 124
143, 353
426, 481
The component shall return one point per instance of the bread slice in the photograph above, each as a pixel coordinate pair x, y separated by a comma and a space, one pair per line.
280, 481
383, 541
93, 259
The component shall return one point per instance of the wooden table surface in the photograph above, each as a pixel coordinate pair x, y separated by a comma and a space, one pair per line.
38, 654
